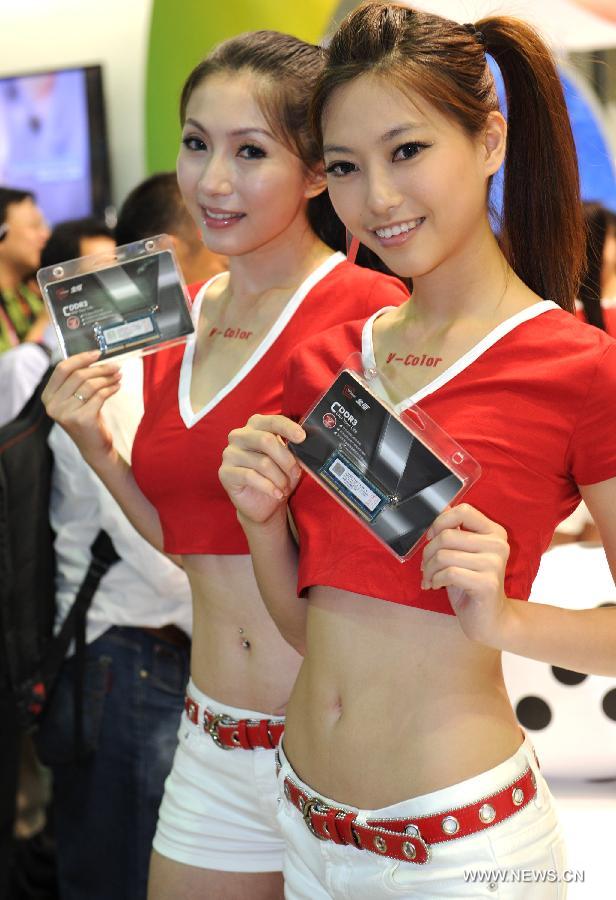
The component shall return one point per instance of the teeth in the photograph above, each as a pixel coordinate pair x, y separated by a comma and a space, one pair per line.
394, 230
223, 215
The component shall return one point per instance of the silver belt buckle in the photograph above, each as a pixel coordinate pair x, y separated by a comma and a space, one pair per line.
214, 725
312, 803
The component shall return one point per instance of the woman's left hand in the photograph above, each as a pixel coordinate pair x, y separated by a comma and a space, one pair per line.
467, 554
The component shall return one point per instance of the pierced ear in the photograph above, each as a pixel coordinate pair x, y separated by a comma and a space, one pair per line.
494, 141
316, 182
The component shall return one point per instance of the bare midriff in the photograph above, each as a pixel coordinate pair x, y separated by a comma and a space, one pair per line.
393, 702
238, 656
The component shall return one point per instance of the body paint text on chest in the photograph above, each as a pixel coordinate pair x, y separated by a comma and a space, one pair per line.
238, 333
411, 360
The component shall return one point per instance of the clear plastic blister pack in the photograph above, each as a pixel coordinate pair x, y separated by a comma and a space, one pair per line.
394, 472
133, 300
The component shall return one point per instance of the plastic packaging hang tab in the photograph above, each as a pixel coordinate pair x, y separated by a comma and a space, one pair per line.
394, 472
132, 300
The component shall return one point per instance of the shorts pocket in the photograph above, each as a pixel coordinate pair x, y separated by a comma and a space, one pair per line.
55, 738
530, 855
449, 875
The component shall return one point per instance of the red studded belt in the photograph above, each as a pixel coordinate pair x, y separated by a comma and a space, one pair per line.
235, 734
409, 839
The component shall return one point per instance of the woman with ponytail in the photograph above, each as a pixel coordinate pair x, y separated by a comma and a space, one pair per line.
403, 769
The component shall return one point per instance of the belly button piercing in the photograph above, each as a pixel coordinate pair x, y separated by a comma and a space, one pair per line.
245, 643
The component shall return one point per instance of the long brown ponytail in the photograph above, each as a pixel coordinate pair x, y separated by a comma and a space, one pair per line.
542, 234
542, 228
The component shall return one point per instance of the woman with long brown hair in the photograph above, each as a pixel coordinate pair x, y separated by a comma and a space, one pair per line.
403, 770
251, 176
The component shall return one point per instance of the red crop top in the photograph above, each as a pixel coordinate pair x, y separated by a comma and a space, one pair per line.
532, 402
177, 452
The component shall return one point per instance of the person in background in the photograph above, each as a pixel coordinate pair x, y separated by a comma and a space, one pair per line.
156, 207
77, 237
105, 806
609, 288
21, 796
23, 234
597, 295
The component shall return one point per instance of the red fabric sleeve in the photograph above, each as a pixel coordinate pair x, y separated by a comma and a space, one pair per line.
592, 449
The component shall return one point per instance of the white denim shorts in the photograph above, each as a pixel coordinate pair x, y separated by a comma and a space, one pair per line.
219, 806
530, 840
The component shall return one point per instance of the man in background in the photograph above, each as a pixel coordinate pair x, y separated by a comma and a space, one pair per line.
156, 207
105, 805
77, 237
23, 234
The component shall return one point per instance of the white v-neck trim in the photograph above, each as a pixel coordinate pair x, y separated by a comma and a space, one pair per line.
189, 416
369, 360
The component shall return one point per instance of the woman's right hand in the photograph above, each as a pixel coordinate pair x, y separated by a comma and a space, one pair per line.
74, 397
258, 471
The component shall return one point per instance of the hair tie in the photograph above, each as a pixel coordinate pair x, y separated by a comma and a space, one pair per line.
475, 33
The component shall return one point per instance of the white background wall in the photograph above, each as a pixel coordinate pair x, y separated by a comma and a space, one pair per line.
40, 34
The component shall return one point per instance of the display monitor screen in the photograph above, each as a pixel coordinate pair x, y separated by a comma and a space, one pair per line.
53, 140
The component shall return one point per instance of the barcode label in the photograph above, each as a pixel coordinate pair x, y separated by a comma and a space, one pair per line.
128, 330
355, 485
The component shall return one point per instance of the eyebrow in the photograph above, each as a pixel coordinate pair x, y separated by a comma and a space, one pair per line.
238, 132
388, 136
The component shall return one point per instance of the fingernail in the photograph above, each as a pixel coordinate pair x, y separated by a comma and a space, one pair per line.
278, 494
296, 472
430, 533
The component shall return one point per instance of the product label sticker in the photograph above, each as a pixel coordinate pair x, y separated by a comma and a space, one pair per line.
348, 481
129, 333
375, 465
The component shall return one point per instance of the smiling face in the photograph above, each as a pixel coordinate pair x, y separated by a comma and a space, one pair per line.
404, 178
244, 188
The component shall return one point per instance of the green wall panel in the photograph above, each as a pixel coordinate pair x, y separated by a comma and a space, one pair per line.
182, 33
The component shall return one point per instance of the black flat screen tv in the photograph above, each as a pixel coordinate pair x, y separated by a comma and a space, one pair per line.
53, 140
